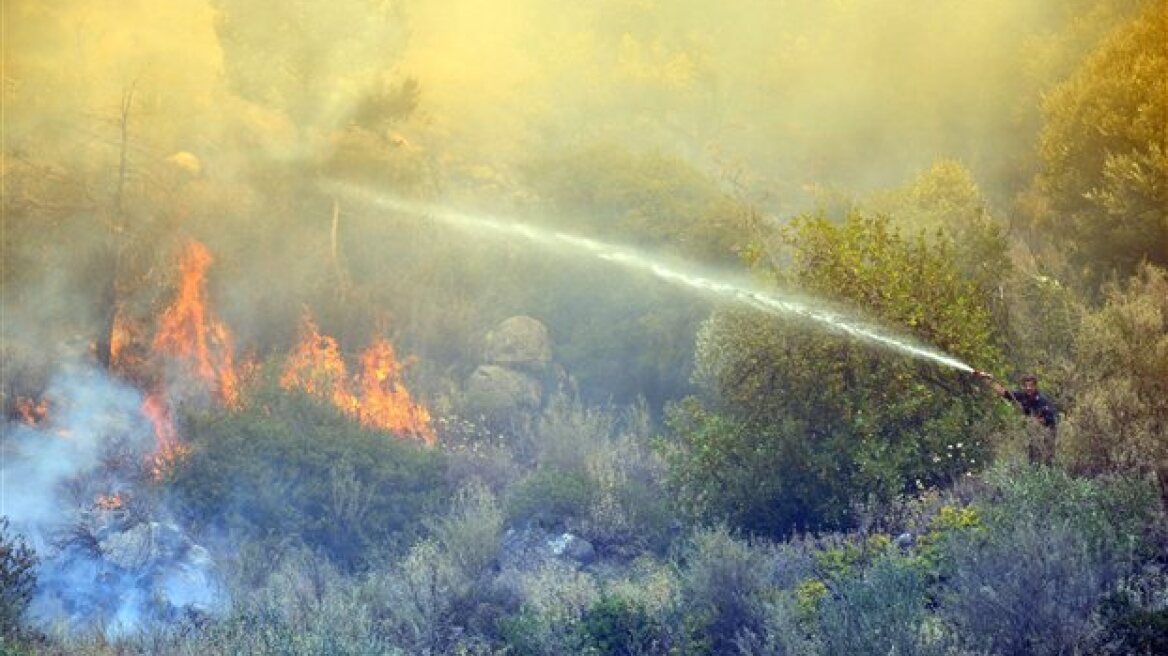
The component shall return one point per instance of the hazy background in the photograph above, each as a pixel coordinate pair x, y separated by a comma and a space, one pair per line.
674, 126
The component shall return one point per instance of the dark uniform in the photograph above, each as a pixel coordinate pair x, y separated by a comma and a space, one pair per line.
1033, 406
1040, 447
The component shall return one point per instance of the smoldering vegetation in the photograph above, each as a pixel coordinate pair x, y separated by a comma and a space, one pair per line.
251, 409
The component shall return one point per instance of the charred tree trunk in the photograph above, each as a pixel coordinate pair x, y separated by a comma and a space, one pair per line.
111, 264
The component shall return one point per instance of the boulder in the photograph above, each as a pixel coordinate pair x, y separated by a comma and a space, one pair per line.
530, 548
521, 343
493, 391
139, 574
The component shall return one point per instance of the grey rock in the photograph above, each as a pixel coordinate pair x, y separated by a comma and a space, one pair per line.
574, 547
494, 391
531, 548
520, 343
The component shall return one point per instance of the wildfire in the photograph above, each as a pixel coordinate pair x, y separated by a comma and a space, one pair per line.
188, 330
385, 401
382, 401
109, 501
317, 367
168, 450
127, 354
31, 412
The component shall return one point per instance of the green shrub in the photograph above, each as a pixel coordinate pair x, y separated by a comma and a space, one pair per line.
724, 585
767, 480
615, 626
17, 579
1132, 629
550, 498
879, 611
1051, 549
470, 532
292, 467
553, 602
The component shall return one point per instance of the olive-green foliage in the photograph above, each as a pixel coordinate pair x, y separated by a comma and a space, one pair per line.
724, 582
1045, 315
879, 612
646, 200
765, 479
439, 597
1120, 418
471, 530
946, 199
594, 473
18, 564
554, 602
1053, 548
550, 498
618, 627
1105, 151
1132, 629
820, 421
293, 467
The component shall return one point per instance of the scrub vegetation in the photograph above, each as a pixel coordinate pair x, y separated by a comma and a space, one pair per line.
223, 324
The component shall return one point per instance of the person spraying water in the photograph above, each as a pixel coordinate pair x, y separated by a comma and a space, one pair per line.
1033, 404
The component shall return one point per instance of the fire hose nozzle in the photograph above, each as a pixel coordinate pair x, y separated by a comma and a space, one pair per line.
982, 375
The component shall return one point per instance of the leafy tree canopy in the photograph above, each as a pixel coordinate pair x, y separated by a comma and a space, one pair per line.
827, 421
1105, 151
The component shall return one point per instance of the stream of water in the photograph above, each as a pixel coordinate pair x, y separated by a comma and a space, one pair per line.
766, 300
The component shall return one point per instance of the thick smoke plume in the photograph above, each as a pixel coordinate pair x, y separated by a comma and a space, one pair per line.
77, 487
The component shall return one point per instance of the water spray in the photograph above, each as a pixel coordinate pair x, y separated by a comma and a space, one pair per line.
766, 301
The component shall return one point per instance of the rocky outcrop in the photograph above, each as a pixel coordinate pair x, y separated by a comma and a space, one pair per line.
519, 372
530, 548
127, 574
521, 344
493, 391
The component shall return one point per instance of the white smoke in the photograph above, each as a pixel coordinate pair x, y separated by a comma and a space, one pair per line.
115, 570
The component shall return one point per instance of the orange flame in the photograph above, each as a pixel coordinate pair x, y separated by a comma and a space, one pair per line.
168, 450
31, 412
317, 368
382, 401
109, 501
189, 330
385, 401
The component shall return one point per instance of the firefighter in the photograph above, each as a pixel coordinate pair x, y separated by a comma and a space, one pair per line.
1033, 404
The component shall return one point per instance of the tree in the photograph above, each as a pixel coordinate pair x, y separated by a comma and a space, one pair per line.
1105, 151
1120, 418
821, 421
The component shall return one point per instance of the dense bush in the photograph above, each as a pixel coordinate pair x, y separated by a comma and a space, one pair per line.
550, 498
1121, 385
1103, 151
293, 468
765, 479
596, 474
1052, 549
837, 420
17, 579
882, 611
724, 582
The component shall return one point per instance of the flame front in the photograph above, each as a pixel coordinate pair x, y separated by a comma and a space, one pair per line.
317, 368
385, 401
168, 450
381, 401
189, 331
